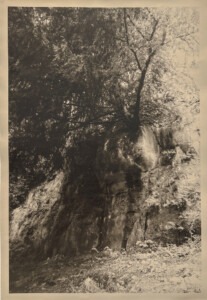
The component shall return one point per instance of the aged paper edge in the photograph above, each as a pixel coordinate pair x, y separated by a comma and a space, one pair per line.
4, 4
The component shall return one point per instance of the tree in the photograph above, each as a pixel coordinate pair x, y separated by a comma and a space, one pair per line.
146, 37
75, 72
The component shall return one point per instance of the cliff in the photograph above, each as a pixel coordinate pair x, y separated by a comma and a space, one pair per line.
114, 191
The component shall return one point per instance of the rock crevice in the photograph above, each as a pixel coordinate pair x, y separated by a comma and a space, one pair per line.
113, 192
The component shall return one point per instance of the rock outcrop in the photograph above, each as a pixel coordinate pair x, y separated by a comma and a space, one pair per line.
113, 192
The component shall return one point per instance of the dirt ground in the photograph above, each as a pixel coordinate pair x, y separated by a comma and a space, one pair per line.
146, 268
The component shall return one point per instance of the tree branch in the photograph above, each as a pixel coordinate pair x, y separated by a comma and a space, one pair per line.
136, 26
136, 58
176, 37
153, 30
136, 116
98, 121
127, 41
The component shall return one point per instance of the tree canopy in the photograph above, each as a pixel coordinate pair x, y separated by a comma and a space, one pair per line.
79, 71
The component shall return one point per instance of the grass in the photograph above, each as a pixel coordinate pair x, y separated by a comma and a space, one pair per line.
142, 269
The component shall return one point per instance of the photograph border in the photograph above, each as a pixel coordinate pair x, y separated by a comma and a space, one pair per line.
202, 81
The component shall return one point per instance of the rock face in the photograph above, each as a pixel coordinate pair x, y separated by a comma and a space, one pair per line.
32, 222
114, 192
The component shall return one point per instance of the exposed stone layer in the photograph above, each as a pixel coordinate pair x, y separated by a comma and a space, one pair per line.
114, 192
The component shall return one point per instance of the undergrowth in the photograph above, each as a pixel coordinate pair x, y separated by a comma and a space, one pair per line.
147, 267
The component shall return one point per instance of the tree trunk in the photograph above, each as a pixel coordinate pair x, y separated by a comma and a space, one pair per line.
136, 114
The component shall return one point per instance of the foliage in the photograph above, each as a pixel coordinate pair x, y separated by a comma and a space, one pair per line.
76, 72
140, 270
